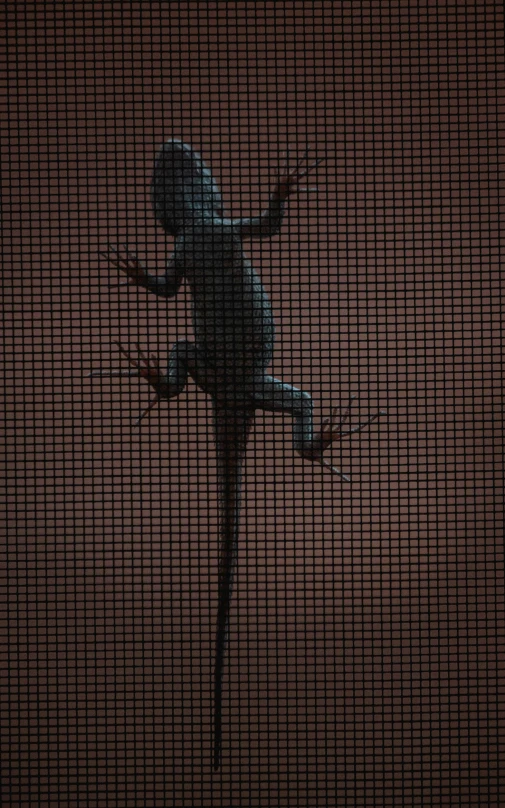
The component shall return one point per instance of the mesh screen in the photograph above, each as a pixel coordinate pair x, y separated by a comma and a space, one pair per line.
366, 624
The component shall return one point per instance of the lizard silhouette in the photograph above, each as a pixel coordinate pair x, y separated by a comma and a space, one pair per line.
233, 346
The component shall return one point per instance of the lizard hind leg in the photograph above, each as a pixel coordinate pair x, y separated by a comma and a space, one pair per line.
146, 366
274, 395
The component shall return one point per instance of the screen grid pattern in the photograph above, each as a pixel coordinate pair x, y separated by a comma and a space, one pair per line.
365, 646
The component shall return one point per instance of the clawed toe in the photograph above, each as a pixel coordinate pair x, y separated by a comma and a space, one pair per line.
147, 367
127, 262
333, 429
290, 178
327, 465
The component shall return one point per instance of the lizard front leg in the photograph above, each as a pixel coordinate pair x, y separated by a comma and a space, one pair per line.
137, 275
268, 223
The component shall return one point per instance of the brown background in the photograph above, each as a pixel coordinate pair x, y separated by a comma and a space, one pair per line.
367, 618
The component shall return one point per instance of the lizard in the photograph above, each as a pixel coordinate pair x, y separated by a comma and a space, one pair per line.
233, 343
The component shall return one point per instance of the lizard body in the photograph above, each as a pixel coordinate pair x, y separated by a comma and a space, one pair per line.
233, 347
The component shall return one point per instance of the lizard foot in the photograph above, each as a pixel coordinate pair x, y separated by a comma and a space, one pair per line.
289, 179
333, 428
146, 367
128, 263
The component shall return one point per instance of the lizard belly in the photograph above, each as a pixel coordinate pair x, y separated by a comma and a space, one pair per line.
234, 331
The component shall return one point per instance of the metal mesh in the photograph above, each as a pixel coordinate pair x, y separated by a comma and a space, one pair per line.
367, 619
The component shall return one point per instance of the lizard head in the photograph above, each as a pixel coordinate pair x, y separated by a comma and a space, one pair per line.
183, 189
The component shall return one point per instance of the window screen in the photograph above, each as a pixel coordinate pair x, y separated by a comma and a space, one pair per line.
366, 620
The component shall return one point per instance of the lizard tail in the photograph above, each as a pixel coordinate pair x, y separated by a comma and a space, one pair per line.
232, 427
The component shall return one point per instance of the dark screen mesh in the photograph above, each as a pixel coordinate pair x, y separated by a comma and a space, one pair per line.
367, 618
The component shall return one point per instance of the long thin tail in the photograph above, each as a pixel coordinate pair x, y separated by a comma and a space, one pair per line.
232, 427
